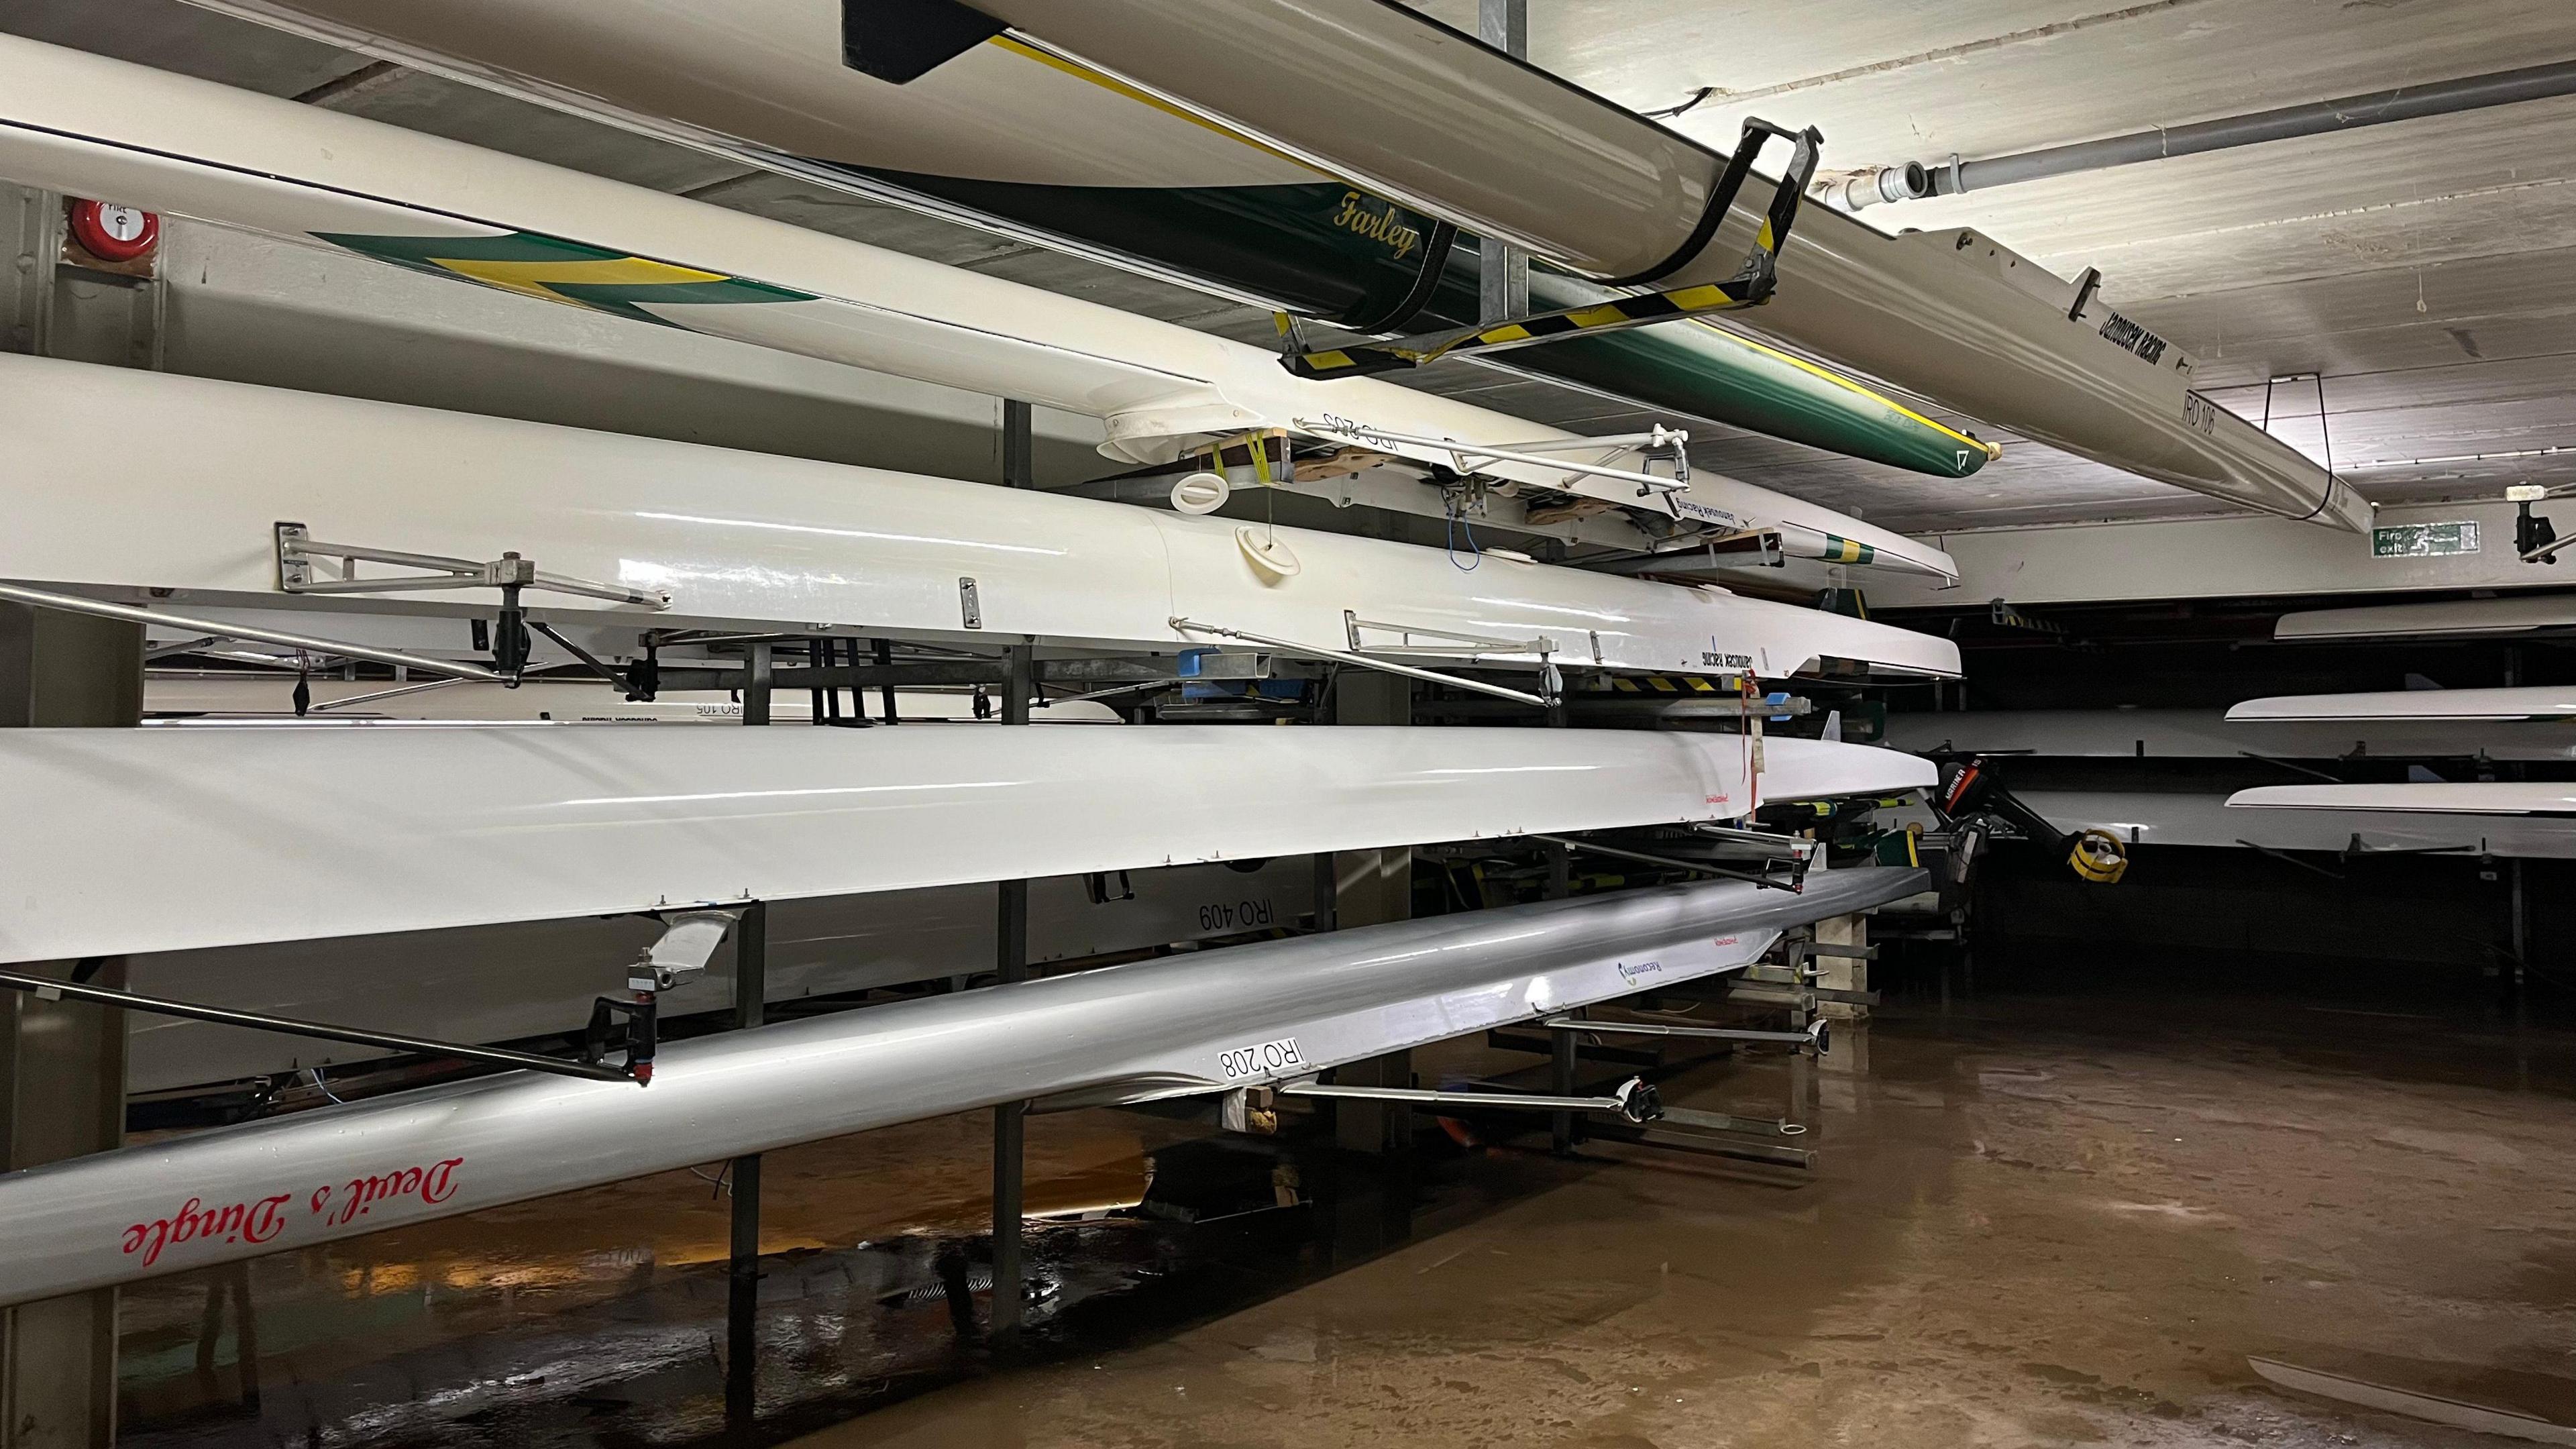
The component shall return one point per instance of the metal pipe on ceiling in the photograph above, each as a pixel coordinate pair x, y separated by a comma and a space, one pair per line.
1914, 180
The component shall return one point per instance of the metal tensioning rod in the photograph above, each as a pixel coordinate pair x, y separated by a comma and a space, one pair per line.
224, 1016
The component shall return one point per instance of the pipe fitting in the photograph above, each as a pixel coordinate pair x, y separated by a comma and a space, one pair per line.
1853, 190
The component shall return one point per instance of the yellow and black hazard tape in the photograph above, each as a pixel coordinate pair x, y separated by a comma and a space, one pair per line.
1665, 684
1361, 359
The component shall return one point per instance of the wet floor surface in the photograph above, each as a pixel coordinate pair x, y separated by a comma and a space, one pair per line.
2032, 1221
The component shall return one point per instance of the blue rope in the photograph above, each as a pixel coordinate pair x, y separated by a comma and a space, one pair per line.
1456, 522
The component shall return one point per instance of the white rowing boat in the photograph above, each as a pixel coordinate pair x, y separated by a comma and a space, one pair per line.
1250, 1016
2433, 619
1420, 113
2202, 818
190, 499
2521, 703
2209, 734
2548, 799
451, 210
259, 835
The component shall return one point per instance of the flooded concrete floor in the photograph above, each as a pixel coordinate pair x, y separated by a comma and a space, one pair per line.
2033, 1222
2039, 1224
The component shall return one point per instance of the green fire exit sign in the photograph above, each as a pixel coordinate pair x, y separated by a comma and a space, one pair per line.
2424, 540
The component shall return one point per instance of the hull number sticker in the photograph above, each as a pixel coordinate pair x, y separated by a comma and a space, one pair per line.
1253, 1061
1250, 913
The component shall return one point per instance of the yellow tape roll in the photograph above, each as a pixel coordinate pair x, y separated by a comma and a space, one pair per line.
2099, 857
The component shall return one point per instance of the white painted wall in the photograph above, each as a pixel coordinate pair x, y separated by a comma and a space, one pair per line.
2218, 558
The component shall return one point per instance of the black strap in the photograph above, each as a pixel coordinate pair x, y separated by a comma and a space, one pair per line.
1435, 260
1784, 205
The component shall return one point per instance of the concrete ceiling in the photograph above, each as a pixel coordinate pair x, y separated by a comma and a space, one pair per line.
2427, 268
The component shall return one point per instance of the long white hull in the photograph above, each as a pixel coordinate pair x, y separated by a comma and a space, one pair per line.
1423, 114
1249, 1016
252, 161
1011, 139
2508, 614
2536, 703
203, 471
2208, 734
536, 978
2545, 801
259, 835
2152, 817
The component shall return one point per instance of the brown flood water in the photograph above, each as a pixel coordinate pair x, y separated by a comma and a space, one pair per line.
2034, 1222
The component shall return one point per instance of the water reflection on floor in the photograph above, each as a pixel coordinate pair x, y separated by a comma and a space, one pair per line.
601, 1318
2033, 1222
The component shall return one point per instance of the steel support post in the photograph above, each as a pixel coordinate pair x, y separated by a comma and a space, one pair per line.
2521, 942
884, 651
1564, 1047
756, 689
1845, 969
1843, 955
35, 231
1010, 1120
1502, 269
1371, 887
1019, 445
742, 1288
1802, 1070
750, 986
62, 1063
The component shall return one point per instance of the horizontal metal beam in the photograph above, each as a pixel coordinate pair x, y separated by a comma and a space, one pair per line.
1817, 1036
1363, 661
1632, 1099
1766, 994
1722, 1122
1715, 1135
